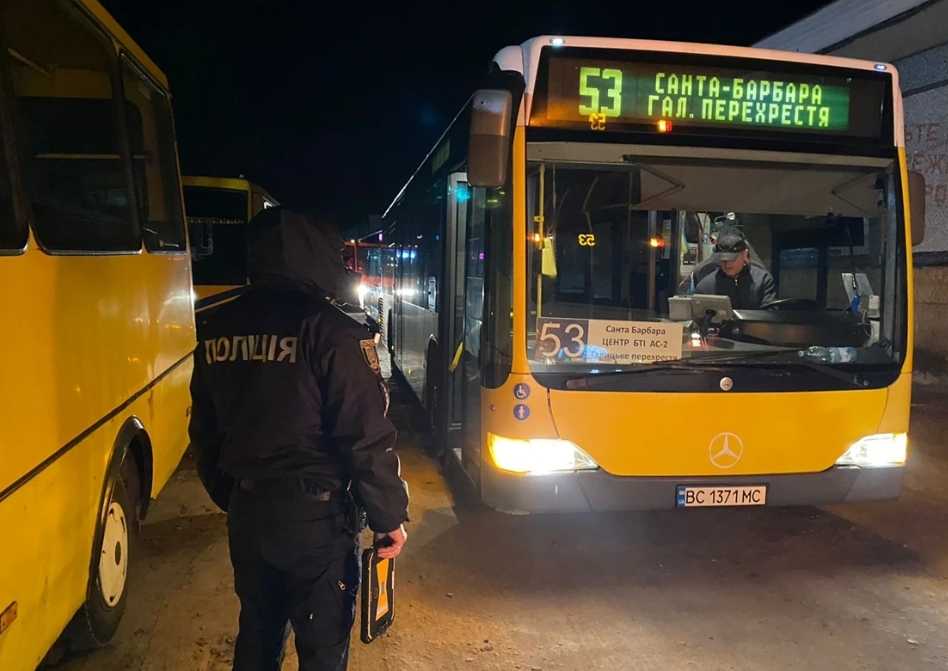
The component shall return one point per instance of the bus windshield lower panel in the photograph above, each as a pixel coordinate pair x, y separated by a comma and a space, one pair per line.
714, 264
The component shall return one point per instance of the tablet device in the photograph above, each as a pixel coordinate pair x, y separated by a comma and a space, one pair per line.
378, 594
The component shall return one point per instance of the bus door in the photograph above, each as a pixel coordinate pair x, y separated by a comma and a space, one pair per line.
465, 253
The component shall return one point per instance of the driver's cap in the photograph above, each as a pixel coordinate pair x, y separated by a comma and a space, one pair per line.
731, 242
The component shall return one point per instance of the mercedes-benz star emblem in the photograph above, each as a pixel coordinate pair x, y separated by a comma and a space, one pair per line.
725, 450
727, 384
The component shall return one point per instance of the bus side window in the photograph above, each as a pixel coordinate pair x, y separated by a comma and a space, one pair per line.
12, 228
154, 164
68, 136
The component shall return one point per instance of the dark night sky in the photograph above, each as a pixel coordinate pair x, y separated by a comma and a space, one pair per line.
331, 106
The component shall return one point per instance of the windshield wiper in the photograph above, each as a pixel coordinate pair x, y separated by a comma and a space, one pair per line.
582, 381
732, 357
721, 365
748, 360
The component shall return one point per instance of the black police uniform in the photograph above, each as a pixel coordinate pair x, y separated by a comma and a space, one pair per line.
753, 287
288, 424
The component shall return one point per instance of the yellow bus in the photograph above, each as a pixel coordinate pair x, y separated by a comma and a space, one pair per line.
547, 304
95, 283
218, 209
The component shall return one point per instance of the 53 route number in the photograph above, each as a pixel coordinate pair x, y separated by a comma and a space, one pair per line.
590, 93
561, 337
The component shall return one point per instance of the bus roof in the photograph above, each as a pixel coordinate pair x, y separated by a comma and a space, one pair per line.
524, 58
890, 29
232, 183
101, 15
235, 183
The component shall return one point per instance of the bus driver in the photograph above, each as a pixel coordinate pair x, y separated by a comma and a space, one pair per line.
748, 285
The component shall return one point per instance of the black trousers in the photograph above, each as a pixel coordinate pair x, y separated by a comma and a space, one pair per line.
295, 560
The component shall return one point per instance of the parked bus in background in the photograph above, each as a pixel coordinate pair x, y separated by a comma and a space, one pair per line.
218, 209
95, 283
359, 257
379, 293
545, 255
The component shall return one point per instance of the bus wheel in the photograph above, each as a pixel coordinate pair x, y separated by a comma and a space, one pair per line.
97, 620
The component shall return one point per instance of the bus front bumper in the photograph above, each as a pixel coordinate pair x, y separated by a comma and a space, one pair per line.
600, 491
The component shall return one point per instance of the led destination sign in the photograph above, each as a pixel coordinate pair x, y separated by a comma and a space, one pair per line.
667, 94
607, 94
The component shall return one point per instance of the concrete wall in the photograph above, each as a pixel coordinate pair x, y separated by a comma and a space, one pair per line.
931, 319
925, 91
925, 96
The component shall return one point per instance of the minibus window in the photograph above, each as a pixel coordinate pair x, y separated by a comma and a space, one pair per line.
153, 162
68, 135
12, 231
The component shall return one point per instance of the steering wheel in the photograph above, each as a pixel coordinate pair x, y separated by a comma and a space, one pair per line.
793, 304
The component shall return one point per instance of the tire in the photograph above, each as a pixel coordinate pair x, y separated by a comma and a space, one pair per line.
97, 620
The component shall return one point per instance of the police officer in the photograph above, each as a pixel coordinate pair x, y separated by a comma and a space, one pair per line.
288, 424
748, 285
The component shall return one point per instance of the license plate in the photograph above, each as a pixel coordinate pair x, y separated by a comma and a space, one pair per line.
703, 497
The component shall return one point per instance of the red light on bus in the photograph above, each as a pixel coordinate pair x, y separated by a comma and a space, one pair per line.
664, 126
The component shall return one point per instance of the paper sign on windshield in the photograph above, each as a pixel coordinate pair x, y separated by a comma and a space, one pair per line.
607, 341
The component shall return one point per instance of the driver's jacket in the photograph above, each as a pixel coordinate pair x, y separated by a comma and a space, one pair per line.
752, 288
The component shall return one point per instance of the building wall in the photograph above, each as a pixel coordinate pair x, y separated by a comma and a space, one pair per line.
931, 319
925, 94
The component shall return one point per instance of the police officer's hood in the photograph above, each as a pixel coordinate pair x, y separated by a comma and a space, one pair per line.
289, 248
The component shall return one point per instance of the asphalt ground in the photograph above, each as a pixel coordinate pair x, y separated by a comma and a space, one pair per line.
860, 586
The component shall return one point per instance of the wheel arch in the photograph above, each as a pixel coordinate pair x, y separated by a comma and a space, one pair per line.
131, 439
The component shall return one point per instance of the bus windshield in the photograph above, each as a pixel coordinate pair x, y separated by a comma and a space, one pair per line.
713, 259
217, 221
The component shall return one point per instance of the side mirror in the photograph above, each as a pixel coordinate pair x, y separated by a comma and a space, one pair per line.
916, 184
489, 148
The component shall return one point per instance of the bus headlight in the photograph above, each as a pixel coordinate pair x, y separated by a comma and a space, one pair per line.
538, 455
881, 449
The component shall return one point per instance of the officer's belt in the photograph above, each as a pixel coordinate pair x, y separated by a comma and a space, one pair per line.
282, 484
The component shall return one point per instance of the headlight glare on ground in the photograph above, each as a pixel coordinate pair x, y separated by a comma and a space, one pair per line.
538, 456
881, 449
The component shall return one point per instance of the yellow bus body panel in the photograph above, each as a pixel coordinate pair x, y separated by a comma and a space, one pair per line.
908, 366
208, 290
91, 341
648, 434
228, 183
654, 434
